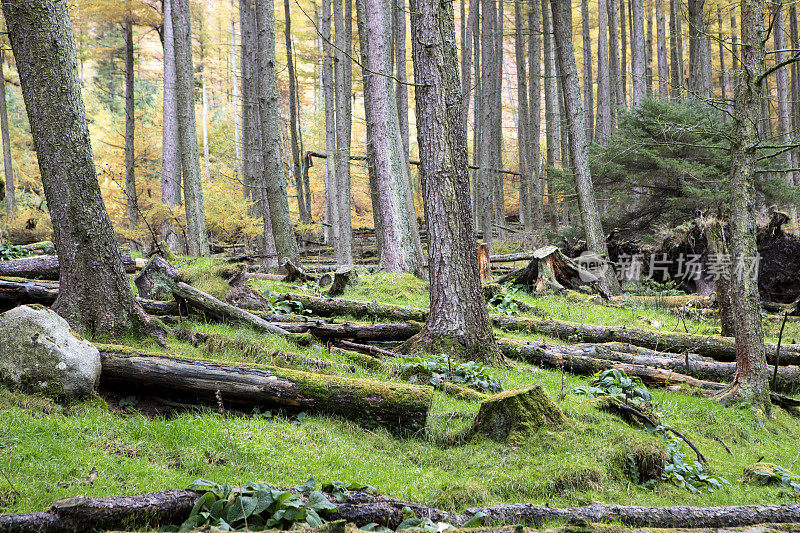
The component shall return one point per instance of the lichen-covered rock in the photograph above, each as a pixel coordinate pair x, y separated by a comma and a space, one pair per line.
516, 414
39, 353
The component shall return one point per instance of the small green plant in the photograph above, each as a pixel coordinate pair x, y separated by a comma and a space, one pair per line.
616, 384
689, 475
254, 507
280, 306
411, 522
10, 251
505, 301
440, 369
778, 475
337, 489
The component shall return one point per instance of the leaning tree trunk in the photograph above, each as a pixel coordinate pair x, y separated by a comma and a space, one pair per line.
8, 168
170, 147
590, 214
750, 383
273, 178
95, 296
294, 125
130, 126
458, 317
196, 233
399, 252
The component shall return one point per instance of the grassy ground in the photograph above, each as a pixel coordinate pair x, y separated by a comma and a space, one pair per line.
49, 451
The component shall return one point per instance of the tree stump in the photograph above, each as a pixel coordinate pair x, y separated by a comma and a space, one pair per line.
516, 414
342, 278
295, 273
156, 279
550, 268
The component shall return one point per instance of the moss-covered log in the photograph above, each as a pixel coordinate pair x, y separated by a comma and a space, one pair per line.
47, 266
399, 407
328, 307
516, 414
358, 332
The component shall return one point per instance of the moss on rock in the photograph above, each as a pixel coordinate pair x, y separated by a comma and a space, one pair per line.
516, 414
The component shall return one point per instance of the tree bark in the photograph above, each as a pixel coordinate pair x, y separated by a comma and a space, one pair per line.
47, 266
604, 98
661, 48
399, 30
723, 75
130, 126
196, 234
675, 50
273, 179
523, 117
588, 78
342, 17
590, 215
613, 59
8, 167
784, 97
622, 99
648, 54
751, 380
551, 119
399, 252
329, 97
457, 315
699, 77
486, 176
637, 53
170, 144
294, 125
95, 296
237, 144
535, 120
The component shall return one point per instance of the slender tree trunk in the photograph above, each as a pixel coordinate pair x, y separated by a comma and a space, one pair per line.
94, 295
595, 237
130, 126
466, 60
170, 147
536, 221
637, 53
197, 237
273, 179
699, 77
458, 320
329, 97
661, 46
613, 59
604, 98
399, 30
8, 168
497, 123
623, 24
384, 143
750, 382
237, 139
675, 50
723, 74
488, 86
294, 126
343, 245
784, 96
795, 83
648, 54
523, 116
551, 105
477, 114
204, 92
588, 78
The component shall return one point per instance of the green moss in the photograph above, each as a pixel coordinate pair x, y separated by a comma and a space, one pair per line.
641, 461
517, 414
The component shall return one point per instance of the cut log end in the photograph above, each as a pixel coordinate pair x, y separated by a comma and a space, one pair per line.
516, 414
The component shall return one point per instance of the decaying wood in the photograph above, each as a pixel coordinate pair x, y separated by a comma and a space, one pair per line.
484, 263
341, 279
511, 258
328, 307
358, 332
46, 266
156, 278
399, 407
373, 351
551, 269
295, 273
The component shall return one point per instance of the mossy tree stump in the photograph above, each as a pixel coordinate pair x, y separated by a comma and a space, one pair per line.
516, 414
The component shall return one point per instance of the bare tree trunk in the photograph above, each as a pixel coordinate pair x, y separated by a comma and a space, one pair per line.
637, 53
458, 320
273, 180
595, 238
329, 97
343, 21
535, 120
723, 74
604, 98
477, 113
784, 107
486, 178
648, 54
130, 126
588, 78
237, 139
294, 126
613, 59
399, 30
466, 60
623, 24
8, 168
523, 114
204, 90
795, 107
699, 77
661, 46
551, 105
675, 50
94, 294
399, 252
750, 382
170, 147
196, 234
497, 123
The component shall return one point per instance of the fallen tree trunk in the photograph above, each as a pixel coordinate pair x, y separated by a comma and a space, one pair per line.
358, 332
511, 258
17, 292
401, 408
46, 266
328, 307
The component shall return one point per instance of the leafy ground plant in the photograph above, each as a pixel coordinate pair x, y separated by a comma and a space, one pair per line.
440, 369
616, 384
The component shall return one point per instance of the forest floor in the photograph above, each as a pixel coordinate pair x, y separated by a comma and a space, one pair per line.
102, 447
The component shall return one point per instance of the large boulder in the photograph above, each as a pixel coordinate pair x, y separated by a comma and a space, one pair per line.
39, 353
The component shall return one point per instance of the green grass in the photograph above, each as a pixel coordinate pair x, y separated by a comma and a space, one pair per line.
48, 451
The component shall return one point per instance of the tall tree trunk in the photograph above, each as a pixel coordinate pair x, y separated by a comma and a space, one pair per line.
675, 50
130, 125
795, 88
523, 114
458, 319
497, 123
399, 30
170, 147
237, 139
343, 21
588, 78
196, 235
661, 46
204, 91
384, 143
535, 120
604, 99
477, 114
94, 295
551, 105
486, 177
329, 97
782, 89
273, 179
648, 54
466, 60
699, 77
613, 59
294, 126
593, 230
637, 53
623, 24
8, 168
723, 73
750, 382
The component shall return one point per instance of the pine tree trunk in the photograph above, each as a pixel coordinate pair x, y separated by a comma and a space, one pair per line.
551, 105
661, 47
637, 53
458, 319
588, 78
699, 77
486, 179
723, 74
604, 98
273, 178
237, 140
535, 120
750, 382
477, 113
497, 123
329, 97
675, 50
523, 117
782, 89
399, 252
648, 54
130, 125
399, 30
343, 246
795, 87
94, 295
196, 235
595, 238
170, 146
613, 58
466, 60
294, 126
623, 24
8, 168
